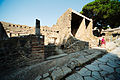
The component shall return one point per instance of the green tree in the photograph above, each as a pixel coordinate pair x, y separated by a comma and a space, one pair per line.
103, 13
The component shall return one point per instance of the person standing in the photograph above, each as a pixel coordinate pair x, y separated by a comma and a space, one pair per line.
100, 41
103, 42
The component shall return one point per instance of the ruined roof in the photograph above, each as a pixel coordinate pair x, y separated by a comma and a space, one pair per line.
81, 15
70, 9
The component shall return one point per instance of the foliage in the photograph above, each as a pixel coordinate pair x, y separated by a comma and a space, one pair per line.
103, 13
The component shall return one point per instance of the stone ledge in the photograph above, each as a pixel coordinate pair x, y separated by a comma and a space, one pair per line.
57, 56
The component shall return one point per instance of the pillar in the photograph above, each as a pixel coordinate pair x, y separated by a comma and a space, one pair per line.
37, 27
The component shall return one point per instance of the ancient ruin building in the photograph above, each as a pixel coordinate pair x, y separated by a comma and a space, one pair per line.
14, 30
71, 23
112, 34
22, 46
20, 51
51, 34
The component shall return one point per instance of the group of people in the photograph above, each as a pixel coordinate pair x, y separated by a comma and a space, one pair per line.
102, 42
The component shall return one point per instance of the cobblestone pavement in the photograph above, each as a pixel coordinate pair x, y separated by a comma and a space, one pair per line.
104, 68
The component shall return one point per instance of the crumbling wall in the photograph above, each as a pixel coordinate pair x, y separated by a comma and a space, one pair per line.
14, 30
50, 50
64, 23
21, 51
73, 45
72, 23
3, 34
51, 34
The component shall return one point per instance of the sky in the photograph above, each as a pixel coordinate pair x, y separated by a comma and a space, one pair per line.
25, 12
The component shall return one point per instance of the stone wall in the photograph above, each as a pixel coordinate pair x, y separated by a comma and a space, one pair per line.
51, 34
73, 45
50, 50
64, 23
3, 34
21, 51
112, 34
72, 23
14, 30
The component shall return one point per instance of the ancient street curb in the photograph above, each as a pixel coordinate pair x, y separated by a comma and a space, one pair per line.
77, 61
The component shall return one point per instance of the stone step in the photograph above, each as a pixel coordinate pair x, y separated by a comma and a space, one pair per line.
56, 56
41, 51
35, 42
38, 46
37, 52
37, 49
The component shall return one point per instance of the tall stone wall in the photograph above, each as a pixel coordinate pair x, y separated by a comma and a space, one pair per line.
64, 23
72, 23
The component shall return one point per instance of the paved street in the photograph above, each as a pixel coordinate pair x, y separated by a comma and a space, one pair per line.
104, 68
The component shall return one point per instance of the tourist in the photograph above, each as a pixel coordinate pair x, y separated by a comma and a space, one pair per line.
103, 43
100, 41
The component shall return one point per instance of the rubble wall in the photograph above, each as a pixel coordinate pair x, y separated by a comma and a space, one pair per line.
21, 51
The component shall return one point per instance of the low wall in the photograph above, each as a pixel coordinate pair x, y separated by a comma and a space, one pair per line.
18, 52
73, 45
50, 50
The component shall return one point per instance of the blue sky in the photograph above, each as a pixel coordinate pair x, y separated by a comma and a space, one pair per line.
25, 12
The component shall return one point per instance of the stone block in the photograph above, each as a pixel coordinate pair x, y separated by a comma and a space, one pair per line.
45, 75
38, 78
57, 74
84, 72
47, 78
74, 76
66, 70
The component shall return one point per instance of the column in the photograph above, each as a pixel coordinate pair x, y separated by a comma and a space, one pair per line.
37, 28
